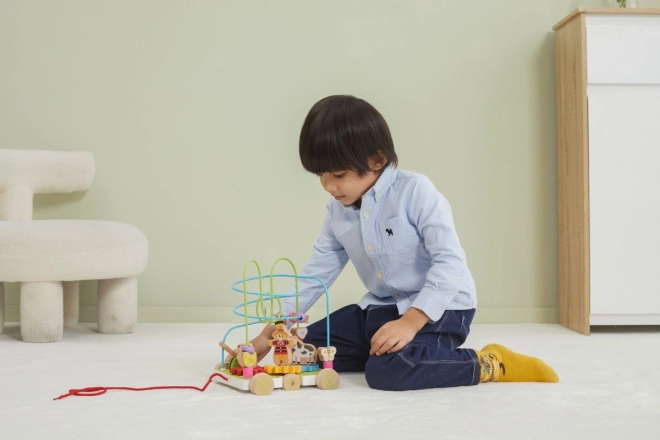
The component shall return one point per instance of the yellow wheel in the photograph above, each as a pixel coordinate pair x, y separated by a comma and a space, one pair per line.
262, 384
291, 382
327, 379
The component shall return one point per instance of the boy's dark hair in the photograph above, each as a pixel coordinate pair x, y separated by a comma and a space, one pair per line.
342, 132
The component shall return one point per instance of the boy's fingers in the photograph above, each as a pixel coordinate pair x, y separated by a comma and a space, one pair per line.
383, 345
376, 336
263, 354
377, 344
386, 348
396, 347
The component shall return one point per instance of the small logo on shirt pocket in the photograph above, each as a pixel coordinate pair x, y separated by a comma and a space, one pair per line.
404, 239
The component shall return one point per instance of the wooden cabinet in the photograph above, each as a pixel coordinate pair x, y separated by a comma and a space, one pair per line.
608, 153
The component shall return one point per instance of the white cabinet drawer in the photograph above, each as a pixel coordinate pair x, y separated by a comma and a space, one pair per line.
624, 199
623, 49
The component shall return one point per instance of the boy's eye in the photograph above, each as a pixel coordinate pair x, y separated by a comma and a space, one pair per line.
338, 176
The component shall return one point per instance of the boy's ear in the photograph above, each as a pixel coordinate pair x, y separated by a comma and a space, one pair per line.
376, 163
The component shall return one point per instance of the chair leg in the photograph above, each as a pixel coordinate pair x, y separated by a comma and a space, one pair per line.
42, 311
117, 305
71, 291
2, 306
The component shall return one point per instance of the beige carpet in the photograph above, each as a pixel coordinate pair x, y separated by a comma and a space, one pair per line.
609, 389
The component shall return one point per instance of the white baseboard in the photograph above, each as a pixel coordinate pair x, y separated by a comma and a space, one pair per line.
181, 314
648, 319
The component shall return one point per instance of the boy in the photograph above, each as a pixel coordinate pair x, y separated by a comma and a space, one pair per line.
398, 231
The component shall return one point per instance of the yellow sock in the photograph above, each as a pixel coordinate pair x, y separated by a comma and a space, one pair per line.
489, 367
499, 364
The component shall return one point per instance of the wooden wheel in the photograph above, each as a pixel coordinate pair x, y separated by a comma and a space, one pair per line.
327, 379
262, 384
291, 382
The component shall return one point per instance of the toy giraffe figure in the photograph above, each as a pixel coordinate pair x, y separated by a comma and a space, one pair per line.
282, 341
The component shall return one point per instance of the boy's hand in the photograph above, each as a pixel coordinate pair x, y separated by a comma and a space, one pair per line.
394, 335
261, 347
260, 343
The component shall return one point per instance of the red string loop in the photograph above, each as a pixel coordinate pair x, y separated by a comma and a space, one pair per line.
97, 391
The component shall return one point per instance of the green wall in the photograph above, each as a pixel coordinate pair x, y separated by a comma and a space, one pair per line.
193, 109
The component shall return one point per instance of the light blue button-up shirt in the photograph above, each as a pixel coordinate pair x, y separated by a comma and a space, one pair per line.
403, 244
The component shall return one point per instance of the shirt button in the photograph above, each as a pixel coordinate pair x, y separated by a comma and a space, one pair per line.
380, 275
378, 196
366, 213
370, 247
398, 295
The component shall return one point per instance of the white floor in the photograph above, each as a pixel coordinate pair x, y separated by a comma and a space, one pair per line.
609, 389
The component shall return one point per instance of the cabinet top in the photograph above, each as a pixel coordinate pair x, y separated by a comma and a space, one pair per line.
614, 11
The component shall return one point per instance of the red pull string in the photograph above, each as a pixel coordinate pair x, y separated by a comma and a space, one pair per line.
97, 391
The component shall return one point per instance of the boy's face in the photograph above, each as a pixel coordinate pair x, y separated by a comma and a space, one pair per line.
347, 186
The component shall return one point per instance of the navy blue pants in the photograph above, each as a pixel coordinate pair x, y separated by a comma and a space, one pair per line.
431, 360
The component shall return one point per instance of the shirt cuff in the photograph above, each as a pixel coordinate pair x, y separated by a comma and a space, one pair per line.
433, 303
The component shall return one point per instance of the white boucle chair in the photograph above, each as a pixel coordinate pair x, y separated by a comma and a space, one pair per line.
50, 257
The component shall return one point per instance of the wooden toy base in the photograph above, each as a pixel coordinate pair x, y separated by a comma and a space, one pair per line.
264, 383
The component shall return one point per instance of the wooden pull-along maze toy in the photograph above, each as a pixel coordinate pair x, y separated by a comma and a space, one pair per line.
295, 362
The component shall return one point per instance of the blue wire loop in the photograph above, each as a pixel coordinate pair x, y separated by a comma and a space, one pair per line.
262, 314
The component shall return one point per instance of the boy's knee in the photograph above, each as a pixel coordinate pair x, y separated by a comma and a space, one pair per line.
384, 373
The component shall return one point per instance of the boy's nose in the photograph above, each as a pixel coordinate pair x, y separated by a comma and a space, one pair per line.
328, 184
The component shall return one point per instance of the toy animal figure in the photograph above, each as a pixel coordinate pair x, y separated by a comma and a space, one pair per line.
327, 355
247, 359
244, 355
302, 353
282, 341
299, 333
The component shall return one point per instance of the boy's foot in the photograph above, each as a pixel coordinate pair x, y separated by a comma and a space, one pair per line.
499, 364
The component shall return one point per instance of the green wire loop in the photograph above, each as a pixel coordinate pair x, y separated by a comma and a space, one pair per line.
261, 310
245, 301
295, 273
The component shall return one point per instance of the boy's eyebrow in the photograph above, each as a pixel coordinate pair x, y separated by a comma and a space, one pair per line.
331, 171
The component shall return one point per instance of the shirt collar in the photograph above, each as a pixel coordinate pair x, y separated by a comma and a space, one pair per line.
385, 180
